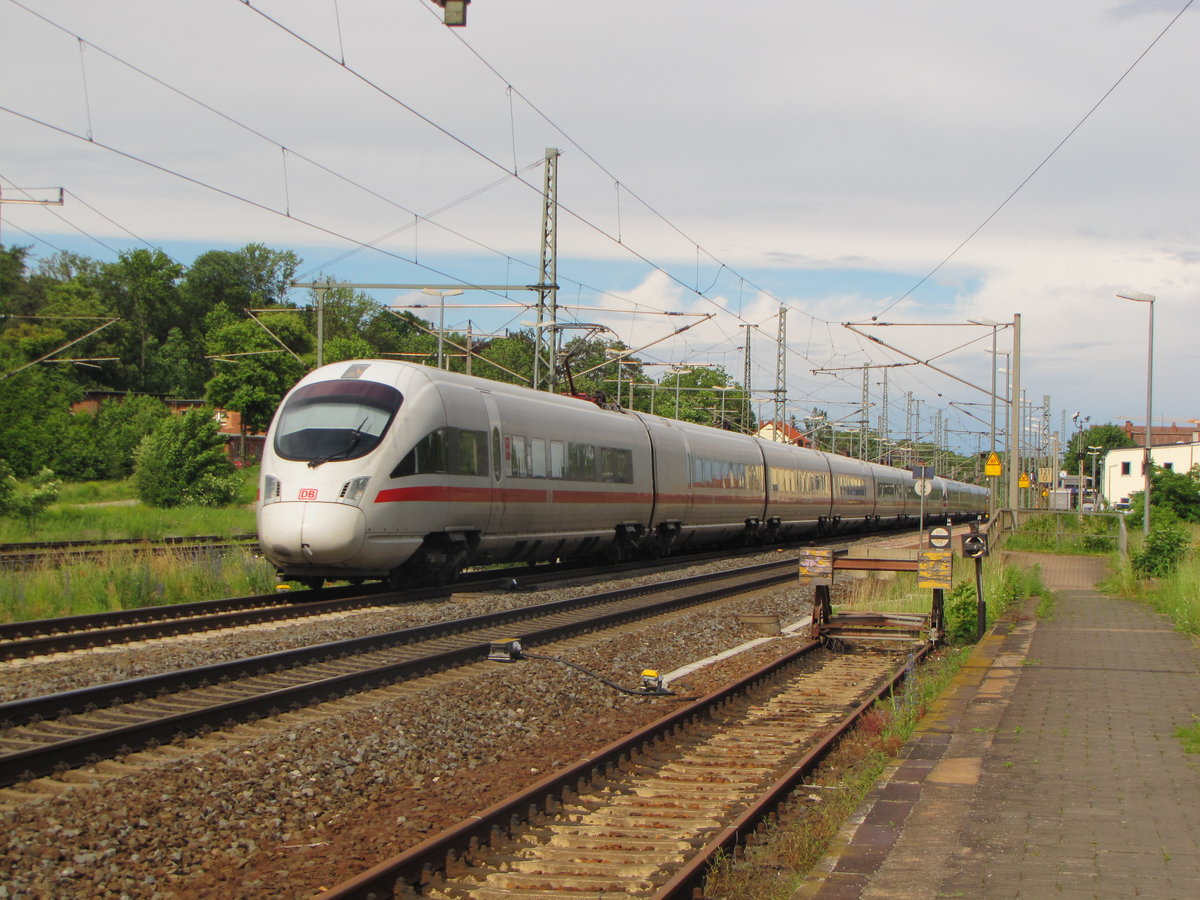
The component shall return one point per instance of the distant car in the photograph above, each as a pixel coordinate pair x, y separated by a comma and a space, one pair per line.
1122, 504
1088, 506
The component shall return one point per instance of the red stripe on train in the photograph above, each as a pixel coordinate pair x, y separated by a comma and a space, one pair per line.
448, 494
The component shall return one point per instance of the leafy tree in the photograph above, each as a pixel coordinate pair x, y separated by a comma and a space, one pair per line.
1175, 492
15, 297
142, 287
341, 348
34, 407
233, 281
26, 505
254, 384
183, 463
1106, 437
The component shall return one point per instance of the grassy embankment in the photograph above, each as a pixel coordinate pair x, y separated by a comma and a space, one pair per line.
122, 580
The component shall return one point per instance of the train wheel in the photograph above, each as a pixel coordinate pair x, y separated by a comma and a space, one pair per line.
313, 583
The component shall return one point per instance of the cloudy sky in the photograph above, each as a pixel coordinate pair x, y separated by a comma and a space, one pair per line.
916, 165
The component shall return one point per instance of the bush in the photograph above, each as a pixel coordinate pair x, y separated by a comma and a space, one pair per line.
26, 505
183, 463
1162, 551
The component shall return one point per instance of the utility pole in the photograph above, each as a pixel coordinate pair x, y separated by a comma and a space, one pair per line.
781, 373
547, 287
1014, 453
884, 435
908, 427
746, 374
938, 441
866, 403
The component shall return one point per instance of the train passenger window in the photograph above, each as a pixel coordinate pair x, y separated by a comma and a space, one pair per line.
537, 453
496, 453
581, 462
518, 464
557, 456
616, 465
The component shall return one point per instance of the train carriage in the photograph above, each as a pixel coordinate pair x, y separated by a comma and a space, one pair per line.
385, 469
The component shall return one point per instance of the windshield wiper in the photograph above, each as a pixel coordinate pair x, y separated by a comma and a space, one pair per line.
355, 437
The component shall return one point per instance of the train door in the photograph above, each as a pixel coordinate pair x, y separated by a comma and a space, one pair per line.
496, 460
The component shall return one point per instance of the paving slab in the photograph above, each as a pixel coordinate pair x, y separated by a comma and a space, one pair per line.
1049, 768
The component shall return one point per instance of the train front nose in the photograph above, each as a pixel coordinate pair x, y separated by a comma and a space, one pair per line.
317, 534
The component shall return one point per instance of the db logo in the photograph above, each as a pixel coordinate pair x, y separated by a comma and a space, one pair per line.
308, 493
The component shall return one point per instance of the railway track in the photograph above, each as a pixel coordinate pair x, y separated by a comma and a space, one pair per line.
23, 640
21, 556
43, 735
646, 816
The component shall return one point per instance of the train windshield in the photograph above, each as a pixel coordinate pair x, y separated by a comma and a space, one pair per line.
335, 420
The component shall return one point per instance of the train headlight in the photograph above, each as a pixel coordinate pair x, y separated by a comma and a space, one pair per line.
271, 489
352, 491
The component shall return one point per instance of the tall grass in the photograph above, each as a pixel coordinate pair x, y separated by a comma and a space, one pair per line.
1073, 533
130, 581
1177, 595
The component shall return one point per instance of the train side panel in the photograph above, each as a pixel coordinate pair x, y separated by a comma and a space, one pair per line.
799, 488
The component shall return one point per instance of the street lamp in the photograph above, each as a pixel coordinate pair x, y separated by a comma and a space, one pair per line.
1094, 452
441, 295
1138, 297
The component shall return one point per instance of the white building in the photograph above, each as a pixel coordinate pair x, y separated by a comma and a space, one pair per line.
1123, 476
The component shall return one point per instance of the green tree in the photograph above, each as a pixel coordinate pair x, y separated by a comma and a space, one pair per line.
142, 287
1178, 492
236, 280
1106, 437
183, 463
26, 505
258, 371
34, 408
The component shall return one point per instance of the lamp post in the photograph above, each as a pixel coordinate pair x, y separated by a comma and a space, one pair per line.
1138, 297
441, 295
1094, 452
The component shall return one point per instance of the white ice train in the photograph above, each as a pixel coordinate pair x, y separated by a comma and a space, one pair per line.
377, 469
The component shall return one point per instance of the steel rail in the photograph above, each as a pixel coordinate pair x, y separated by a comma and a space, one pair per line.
418, 865
37, 637
50, 757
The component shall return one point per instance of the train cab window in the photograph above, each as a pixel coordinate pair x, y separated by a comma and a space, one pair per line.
427, 457
557, 458
467, 451
335, 420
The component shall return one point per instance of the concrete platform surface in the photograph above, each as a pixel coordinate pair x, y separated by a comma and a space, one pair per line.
1050, 767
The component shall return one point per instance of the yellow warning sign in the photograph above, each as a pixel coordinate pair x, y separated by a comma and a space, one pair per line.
935, 569
1023, 481
992, 466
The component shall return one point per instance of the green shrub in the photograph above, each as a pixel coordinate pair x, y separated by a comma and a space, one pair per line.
26, 505
961, 614
183, 463
1161, 552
